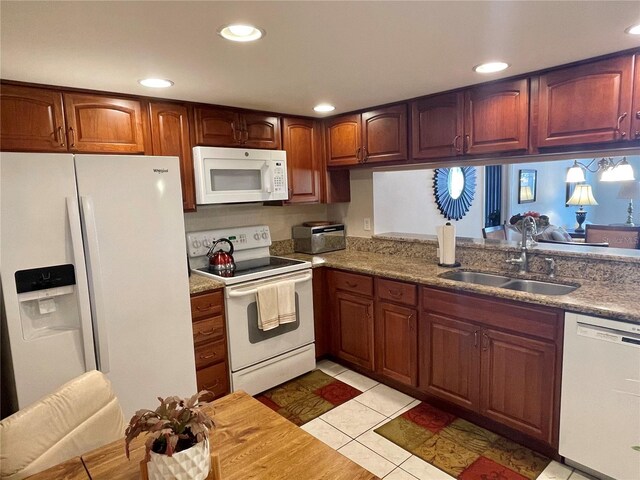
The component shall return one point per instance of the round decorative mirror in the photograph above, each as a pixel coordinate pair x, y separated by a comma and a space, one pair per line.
454, 189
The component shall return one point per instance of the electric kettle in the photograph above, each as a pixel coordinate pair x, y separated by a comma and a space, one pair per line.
220, 262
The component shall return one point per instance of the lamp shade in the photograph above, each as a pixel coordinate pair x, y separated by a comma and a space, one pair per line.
582, 195
629, 191
575, 174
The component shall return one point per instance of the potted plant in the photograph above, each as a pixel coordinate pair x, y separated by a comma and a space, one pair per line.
177, 444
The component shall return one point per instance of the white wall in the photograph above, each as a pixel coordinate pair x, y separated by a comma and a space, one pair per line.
352, 214
404, 202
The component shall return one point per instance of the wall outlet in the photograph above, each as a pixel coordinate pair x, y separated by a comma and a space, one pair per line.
367, 224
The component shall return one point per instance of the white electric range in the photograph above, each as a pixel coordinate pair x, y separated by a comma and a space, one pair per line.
259, 360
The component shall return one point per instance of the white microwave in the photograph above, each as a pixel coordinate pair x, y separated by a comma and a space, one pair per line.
236, 175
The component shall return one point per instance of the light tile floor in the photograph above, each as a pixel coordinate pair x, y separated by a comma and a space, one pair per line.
349, 427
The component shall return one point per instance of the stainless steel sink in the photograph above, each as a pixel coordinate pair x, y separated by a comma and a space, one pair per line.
543, 288
479, 278
500, 281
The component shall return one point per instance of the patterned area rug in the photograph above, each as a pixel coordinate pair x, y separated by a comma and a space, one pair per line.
460, 448
308, 396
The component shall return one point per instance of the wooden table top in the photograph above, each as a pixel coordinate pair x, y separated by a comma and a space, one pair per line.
253, 442
72, 469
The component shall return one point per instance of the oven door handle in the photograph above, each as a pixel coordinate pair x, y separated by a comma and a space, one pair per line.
253, 291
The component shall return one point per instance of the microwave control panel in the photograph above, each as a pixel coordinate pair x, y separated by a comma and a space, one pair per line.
279, 177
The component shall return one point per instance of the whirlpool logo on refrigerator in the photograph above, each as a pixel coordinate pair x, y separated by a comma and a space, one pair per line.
161, 170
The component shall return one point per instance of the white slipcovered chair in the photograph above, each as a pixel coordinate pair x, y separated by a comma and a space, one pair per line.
81, 415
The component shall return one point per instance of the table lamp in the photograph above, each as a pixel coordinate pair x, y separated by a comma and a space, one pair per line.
582, 195
630, 191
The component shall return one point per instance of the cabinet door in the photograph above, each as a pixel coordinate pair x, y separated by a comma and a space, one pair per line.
343, 140
217, 127
586, 104
449, 366
100, 124
397, 342
354, 330
260, 131
302, 139
497, 117
170, 136
32, 120
384, 135
635, 120
437, 126
517, 382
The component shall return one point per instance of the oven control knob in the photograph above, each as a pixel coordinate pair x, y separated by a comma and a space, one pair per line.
264, 235
196, 244
206, 242
256, 236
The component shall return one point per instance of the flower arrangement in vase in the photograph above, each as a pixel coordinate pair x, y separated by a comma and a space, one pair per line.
177, 444
517, 221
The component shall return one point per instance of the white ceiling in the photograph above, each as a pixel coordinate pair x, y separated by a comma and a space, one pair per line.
351, 54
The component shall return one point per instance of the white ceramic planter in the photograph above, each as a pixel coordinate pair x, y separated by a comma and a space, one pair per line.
191, 464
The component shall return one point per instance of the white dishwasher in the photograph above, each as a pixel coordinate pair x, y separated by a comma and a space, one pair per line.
600, 405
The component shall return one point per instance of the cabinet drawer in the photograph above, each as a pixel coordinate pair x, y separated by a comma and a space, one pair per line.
214, 378
538, 321
352, 282
207, 305
209, 353
398, 292
209, 329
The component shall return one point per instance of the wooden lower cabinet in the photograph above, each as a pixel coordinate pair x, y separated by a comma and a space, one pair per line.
396, 342
210, 345
449, 366
496, 358
354, 339
517, 382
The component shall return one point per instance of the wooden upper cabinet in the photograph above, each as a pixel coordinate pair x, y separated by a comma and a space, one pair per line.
32, 119
635, 117
376, 136
384, 134
261, 131
220, 127
344, 140
589, 103
216, 127
437, 126
170, 136
497, 117
102, 124
301, 141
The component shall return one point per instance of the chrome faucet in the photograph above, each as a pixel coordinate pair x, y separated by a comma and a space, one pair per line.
523, 261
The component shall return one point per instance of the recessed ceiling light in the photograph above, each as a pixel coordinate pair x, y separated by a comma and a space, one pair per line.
324, 108
241, 33
155, 83
633, 30
490, 67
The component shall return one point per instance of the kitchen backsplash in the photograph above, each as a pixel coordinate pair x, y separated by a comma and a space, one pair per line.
279, 219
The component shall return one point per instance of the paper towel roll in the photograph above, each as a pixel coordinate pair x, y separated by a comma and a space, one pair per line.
447, 243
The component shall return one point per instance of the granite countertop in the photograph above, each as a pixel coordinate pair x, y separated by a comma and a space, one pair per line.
619, 301
200, 283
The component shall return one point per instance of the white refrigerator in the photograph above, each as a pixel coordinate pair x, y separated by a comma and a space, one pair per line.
93, 274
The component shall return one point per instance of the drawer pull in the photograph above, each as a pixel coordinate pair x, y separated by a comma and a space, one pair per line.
351, 284
394, 292
208, 332
207, 357
212, 386
208, 307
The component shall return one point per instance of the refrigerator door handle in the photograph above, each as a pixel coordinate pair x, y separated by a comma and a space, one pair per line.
95, 273
84, 303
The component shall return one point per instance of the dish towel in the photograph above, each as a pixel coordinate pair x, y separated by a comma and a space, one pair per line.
286, 301
267, 300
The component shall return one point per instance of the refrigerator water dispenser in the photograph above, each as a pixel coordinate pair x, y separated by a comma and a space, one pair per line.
48, 300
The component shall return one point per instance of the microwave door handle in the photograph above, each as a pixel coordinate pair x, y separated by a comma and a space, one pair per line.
253, 291
266, 176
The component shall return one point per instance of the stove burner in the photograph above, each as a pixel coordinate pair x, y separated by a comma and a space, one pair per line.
255, 265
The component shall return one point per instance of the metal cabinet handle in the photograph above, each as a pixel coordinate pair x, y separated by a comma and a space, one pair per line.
73, 137
208, 332
365, 157
61, 136
455, 143
233, 129
207, 357
351, 284
466, 143
620, 118
215, 384
485, 342
394, 292
208, 307
358, 154
245, 132
475, 338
